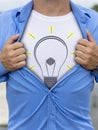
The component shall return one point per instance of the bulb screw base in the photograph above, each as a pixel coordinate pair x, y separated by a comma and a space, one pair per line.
50, 81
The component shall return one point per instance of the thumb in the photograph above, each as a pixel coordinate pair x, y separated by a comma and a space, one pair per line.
12, 39
90, 37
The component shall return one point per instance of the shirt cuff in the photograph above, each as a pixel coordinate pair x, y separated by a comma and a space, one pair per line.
3, 70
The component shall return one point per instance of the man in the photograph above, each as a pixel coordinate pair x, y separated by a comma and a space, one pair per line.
49, 30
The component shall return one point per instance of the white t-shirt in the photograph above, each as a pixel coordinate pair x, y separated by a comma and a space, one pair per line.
50, 43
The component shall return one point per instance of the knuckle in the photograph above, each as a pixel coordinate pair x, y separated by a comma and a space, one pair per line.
23, 50
7, 48
76, 59
89, 58
24, 56
89, 51
24, 62
86, 62
92, 46
20, 44
10, 54
76, 46
14, 66
76, 52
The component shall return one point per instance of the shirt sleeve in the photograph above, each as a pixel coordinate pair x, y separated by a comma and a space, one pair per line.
93, 29
3, 73
3, 70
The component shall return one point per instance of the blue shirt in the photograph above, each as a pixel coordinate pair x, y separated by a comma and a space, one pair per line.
32, 106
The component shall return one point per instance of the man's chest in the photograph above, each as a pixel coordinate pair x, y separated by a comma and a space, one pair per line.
50, 44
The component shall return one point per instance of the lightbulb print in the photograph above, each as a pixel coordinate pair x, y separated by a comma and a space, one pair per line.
46, 56
50, 53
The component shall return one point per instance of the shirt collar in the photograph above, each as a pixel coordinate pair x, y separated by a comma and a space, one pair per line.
24, 13
79, 13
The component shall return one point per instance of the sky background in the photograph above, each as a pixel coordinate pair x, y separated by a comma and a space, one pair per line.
9, 4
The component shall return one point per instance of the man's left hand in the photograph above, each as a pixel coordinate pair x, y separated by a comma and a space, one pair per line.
87, 52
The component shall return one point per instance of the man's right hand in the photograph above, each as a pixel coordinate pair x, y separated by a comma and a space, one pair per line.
13, 54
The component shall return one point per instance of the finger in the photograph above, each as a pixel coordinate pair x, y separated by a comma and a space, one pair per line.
80, 54
83, 42
19, 52
90, 37
14, 53
16, 66
17, 45
80, 61
20, 64
19, 58
12, 39
81, 48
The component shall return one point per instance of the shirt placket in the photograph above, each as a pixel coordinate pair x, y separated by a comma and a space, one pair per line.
51, 121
